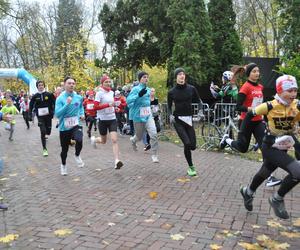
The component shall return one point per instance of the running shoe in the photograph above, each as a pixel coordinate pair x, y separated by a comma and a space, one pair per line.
147, 147
248, 199
279, 208
223, 142
191, 171
272, 181
63, 169
118, 164
133, 143
45, 152
89, 133
79, 162
155, 159
93, 141
3, 207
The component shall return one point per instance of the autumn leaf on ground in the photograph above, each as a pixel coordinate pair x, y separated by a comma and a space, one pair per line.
111, 224
268, 243
76, 179
255, 226
183, 179
1, 198
275, 224
4, 179
296, 223
166, 226
12, 175
8, 238
215, 246
32, 171
177, 237
290, 234
248, 246
149, 220
63, 232
153, 195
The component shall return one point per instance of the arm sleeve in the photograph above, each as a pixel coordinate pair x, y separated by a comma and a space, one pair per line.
133, 95
60, 108
170, 102
0, 116
81, 110
261, 109
123, 102
239, 103
31, 104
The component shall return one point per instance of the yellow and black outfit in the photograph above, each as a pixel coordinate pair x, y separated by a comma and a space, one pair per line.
281, 120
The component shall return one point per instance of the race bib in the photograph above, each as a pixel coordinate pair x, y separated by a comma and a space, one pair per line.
154, 108
256, 101
145, 111
117, 103
71, 122
186, 119
90, 106
43, 111
109, 110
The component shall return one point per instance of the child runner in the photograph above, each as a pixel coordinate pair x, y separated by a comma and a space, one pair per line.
24, 105
90, 112
120, 103
282, 115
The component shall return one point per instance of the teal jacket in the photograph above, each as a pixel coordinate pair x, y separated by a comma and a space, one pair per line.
64, 110
135, 103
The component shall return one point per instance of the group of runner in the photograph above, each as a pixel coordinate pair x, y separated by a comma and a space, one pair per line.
275, 136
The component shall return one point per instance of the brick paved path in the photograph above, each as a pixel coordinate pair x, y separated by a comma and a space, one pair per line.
111, 209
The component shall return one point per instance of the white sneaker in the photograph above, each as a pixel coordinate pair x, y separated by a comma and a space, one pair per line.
118, 164
93, 141
79, 162
155, 159
63, 169
133, 143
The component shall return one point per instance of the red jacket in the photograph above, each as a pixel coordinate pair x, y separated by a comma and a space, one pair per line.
89, 107
120, 104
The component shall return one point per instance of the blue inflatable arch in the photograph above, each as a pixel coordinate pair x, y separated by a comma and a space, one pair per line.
22, 74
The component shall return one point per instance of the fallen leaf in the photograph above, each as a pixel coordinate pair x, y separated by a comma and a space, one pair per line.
176, 141
260, 159
63, 232
105, 242
149, 220
1, 198
177, 237
12, 175
119, 214
98, 169
153, 195
262, 237
4, 179
268, 243
290, 234
227, 158
215, 246
275, 224
255, 226
32, 171
248, 246
178, 156
8, 238
111, 224
183, 180
166, 226
76, 179
296, 223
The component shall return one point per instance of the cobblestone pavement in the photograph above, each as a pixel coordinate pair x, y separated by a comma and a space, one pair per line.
112, 209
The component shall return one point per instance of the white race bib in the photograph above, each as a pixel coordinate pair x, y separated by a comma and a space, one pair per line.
117, 103
71, 122
186, 119
145, 111
109, 110
90, 106
256, 101
43, 111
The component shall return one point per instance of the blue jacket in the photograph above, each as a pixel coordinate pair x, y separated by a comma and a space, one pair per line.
135, 103
64, 110
0, 116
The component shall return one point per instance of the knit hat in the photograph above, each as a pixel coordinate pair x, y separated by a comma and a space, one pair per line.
177, 71
249, 68
141, 74
285, 82
104, 78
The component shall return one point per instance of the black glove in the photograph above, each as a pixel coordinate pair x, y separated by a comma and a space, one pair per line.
142, 92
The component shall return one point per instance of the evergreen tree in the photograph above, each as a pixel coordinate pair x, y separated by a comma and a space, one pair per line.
68, 28
226, 43
192, 48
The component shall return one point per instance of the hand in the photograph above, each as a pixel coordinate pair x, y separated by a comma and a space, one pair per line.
142, 92
69, 100
249, 109
172, 119
82, 118
112, 104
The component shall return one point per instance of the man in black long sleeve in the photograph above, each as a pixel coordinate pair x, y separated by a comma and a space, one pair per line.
183, 95
43, 104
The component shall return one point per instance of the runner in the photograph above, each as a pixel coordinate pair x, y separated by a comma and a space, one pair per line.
138, 102
120, 102
24, 107
183, 95
69, 111
106, 116
282, 116
90, 112
249, 97
43, 104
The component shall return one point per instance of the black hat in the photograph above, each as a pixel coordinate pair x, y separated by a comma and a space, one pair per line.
249, 68
141, 74
177, 71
